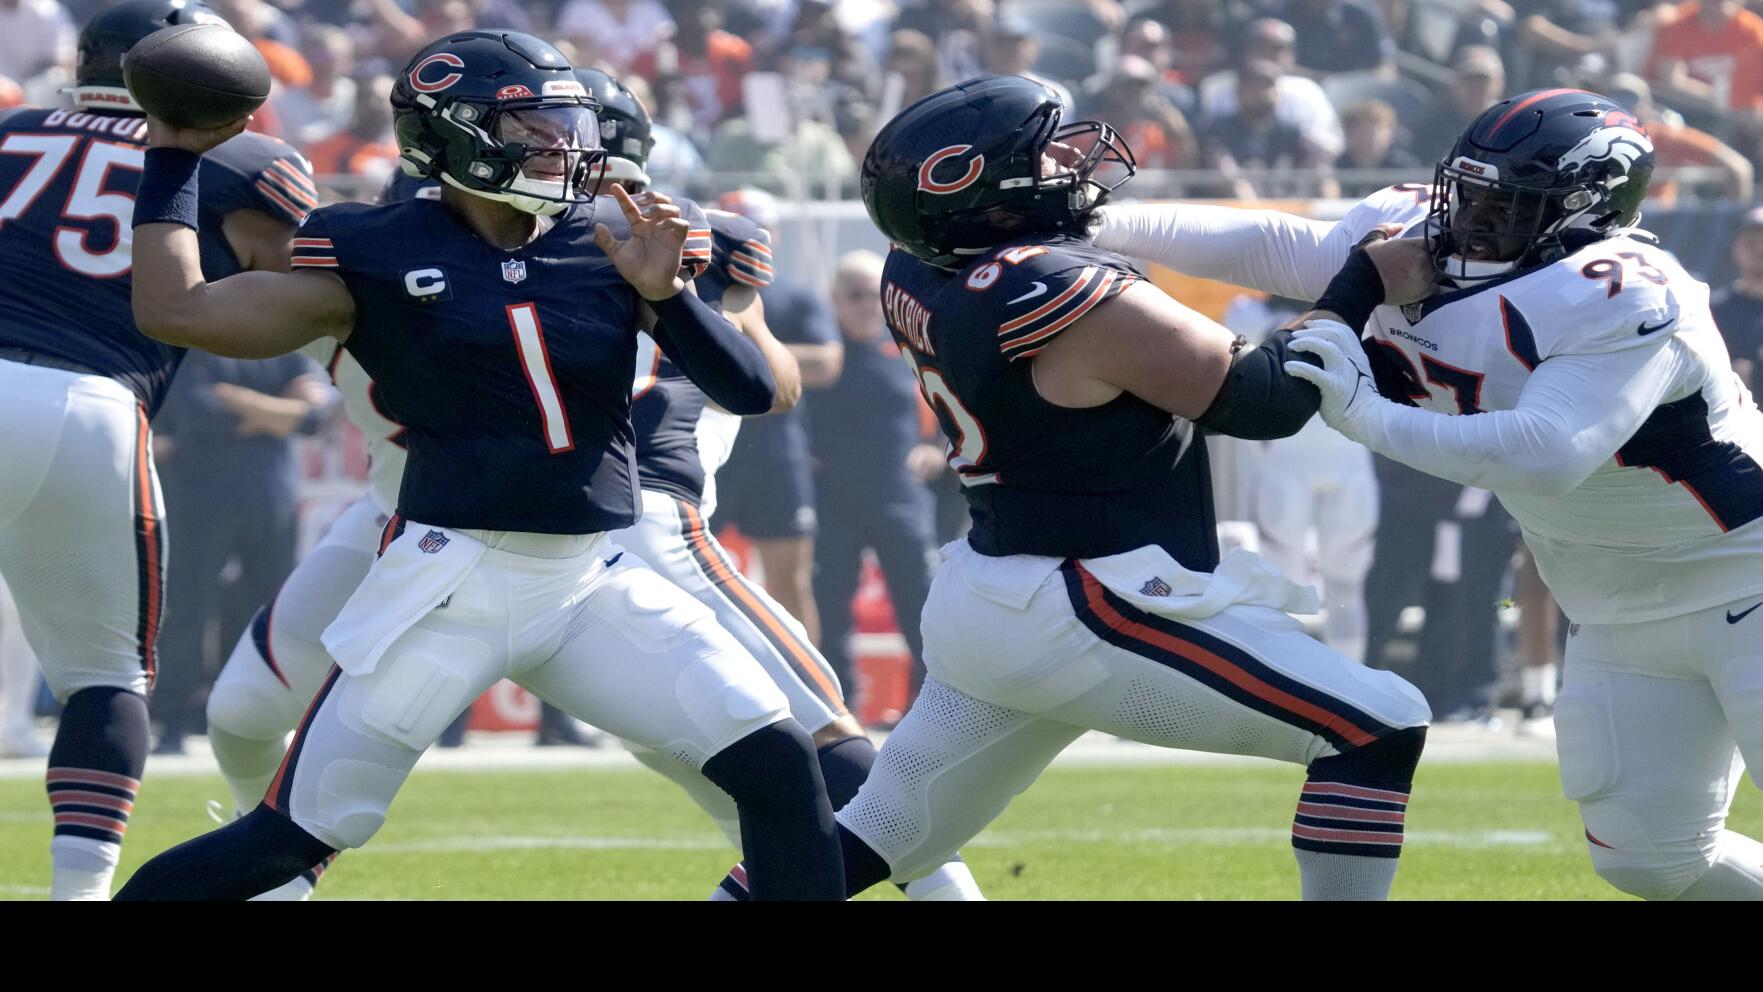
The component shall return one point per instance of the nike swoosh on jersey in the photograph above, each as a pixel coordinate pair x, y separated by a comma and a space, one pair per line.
1732, 619
1647, 329
1040, 287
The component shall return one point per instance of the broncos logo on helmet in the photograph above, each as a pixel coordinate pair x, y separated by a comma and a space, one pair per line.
1533, 177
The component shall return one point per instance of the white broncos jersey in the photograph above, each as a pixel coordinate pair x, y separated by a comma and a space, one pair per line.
384, 435
1670, 522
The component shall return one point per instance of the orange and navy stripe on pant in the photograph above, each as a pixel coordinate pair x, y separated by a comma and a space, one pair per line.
281, 788
811, 668
1217, 664
149, 550
90, 803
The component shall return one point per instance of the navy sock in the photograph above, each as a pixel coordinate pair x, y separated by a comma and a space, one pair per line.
863, 867
95, 764
787, 827
247, 857
845, 764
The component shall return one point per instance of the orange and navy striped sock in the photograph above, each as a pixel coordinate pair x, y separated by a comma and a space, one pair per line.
94, 774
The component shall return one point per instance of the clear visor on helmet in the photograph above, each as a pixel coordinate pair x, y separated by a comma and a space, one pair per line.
553, 143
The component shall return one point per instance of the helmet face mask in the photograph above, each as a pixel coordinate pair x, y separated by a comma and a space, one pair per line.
502, 117
1533, 178
626, 131
978, 164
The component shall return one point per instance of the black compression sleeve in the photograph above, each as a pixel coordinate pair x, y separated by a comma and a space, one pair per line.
1355, 291
725, 363
1258, 400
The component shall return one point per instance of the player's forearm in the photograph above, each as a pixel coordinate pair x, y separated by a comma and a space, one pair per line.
1573, 415
1267, 250
243, 316
782, 364
725, 363
819, 364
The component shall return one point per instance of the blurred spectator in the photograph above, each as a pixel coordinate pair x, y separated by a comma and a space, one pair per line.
1340, 36
674, 162
366, 147
865, 432
1676, 144
812, 160
1709, 55
34, 35
1479, 81
1155, 130
1298, 100
1370, 127
707, 62
1555, 36
614, 32
958, 26
1738, 308
1011, 48
818, 35
767, 487
228, 471
310, 113
511, 15
11, 94
1259, 154
912, 59
1200, 35
1313, 481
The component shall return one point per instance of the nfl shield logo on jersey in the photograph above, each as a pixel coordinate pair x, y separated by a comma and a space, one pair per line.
1155, 587
514, 270
432, 542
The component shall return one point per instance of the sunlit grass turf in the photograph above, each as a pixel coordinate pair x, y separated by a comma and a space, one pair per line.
1476, 831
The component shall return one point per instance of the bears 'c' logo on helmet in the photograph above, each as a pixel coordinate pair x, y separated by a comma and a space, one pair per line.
437, 85
930, 185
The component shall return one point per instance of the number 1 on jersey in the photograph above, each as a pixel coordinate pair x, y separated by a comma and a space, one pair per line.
529, 341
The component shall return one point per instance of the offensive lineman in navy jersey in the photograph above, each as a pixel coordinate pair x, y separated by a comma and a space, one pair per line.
682, 439
498, 324
1089, 593
82, 534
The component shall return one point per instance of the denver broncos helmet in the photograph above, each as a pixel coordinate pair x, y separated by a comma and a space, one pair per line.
499, 114
625, 128
97, 79
1533, 178
985, 161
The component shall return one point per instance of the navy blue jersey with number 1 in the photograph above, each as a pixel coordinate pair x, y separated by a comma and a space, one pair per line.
510, 370
1042, 479
67, 203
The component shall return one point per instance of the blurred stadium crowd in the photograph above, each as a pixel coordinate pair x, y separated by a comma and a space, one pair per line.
768, 105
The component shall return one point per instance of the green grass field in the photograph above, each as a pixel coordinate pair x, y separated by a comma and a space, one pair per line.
1475, 831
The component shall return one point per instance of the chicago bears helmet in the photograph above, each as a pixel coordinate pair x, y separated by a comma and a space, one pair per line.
624, 128
1533, 178
499, 114
97, 79
985, 161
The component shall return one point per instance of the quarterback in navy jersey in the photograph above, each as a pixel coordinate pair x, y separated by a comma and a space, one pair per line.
683, 437
82, 530
1074, 395
499, 325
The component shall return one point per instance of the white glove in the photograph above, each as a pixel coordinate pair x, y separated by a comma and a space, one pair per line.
1349, 393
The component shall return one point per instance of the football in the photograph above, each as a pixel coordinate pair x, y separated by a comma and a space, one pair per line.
196, 75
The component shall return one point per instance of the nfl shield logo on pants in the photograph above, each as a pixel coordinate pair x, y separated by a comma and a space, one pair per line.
514, 270
1155, 587
432, 542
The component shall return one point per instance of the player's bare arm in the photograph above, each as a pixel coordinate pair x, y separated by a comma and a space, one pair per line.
1145, 343
744, 309
261, 242
248, 315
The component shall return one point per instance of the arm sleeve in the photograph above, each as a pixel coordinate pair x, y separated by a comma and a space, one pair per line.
1568, 422
1267, 250
725, 363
